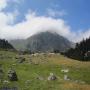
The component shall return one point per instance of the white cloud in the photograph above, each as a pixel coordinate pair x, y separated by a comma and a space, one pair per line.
6, 19
33, 24
80, 35
55, 13
3, 4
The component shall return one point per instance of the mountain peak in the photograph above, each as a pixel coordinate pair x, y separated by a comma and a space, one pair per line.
43, 42
47, 41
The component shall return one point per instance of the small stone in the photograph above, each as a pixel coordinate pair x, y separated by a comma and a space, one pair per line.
76, 81
6, 82
52, 77
65, 70
66, 77
82, 82
40, 78
28, 82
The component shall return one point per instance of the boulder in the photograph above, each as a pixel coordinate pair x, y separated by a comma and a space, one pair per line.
20, 59
52, 77
12, 76
66, 77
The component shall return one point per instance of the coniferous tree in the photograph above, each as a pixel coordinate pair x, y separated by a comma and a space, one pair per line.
81, 51
5, 45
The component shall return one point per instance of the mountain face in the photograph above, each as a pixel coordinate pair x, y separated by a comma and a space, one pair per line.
19, 44
47, 41
43, 42
5, 44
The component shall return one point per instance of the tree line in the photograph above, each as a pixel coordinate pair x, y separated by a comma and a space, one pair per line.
4, 44
81, 51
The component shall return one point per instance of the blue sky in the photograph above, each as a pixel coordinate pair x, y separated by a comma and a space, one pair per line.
78, 11
74, 13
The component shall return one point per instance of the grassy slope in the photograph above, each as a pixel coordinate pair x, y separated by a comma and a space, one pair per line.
43, 65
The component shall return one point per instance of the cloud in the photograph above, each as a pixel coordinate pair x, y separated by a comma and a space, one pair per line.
80, 35
55, 13
7, 18
33, 23
3, 4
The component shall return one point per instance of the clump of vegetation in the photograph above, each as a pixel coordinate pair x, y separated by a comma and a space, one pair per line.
4, 44
81, 51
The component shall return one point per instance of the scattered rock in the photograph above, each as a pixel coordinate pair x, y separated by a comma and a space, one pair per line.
40, 78
82, 82
65, 70
35, 54
66, 77
76, 81
52, 77
28, 82
12, 76
79, 81
13, 64
6, 82
20, 59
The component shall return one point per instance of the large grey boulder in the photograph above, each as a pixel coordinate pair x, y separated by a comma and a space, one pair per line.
12, 76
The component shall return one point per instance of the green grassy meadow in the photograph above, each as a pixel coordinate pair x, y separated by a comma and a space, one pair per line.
41, 65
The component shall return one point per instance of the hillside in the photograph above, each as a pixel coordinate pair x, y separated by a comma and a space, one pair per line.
43, 42
47, 41
19, 44
33, 73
